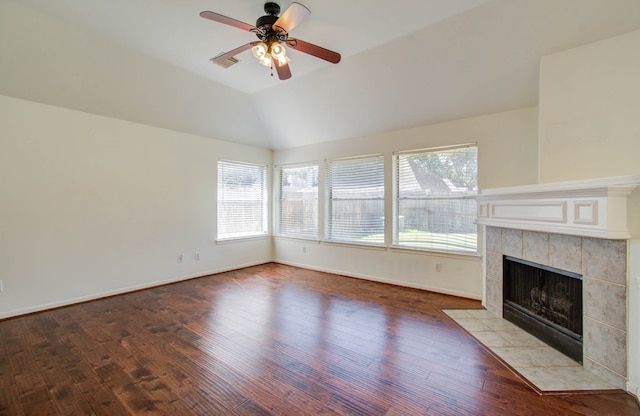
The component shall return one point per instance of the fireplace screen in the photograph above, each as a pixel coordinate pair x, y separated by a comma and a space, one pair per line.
545, 301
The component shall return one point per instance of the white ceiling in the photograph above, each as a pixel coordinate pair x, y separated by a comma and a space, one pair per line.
404, 63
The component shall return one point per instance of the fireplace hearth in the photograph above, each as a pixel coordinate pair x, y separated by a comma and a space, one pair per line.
546, 302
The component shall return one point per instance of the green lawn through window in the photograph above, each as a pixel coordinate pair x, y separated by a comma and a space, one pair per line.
431, 240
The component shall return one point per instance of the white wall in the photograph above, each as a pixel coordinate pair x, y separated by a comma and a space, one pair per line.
507, 153
589, 110
91, 206
590, 128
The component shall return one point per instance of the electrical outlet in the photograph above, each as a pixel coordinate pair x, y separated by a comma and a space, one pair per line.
180, 258
1, 285
197, 255
438, 267
304, 249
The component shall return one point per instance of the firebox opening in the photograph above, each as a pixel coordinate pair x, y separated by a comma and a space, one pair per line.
546, 302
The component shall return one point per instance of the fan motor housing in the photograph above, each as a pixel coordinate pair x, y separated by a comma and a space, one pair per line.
265, 22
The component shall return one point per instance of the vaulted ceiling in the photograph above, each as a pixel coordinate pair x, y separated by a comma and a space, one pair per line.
404, 63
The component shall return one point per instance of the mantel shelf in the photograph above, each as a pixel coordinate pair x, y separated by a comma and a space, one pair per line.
589, 208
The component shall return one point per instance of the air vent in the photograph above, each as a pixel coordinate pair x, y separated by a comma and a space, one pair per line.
226, 63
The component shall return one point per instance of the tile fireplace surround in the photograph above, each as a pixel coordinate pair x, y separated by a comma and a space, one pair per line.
578, 226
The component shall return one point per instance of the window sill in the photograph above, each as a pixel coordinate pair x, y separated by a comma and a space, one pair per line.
288, 237
440, 253
242, 239
355, 245
364, 246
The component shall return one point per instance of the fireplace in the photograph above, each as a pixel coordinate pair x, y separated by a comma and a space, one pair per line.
580, 227
546, 302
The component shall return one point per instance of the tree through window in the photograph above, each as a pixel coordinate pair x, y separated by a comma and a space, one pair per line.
433, 203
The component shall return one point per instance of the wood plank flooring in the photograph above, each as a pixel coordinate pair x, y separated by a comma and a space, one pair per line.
266, 340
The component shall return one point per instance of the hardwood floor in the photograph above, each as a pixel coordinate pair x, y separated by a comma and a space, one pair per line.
266, 340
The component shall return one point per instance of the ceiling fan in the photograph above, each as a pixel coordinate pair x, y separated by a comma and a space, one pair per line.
273, 34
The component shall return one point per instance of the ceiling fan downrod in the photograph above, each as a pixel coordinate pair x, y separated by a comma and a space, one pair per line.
271, 8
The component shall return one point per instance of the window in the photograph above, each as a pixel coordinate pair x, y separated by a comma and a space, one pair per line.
433, 204
297, 211
355, 200
242, 200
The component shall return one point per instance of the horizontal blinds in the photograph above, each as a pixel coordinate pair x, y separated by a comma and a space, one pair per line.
298, 201
242, 199
433, 205
355, 197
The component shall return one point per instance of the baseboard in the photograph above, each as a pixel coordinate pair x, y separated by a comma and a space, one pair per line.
121, 291
148, 285
381, 280
635, 392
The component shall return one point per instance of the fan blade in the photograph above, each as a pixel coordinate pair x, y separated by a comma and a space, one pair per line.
284, 72
314, 50
234, 52
228, 21
291, 17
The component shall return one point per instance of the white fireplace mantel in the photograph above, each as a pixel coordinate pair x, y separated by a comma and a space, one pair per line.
588, 208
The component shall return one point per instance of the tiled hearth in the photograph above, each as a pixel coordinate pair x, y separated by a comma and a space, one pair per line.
602, 263
541, 366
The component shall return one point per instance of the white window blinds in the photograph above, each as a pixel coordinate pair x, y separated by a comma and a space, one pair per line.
242, 200
297, 210
432, 203
355, 200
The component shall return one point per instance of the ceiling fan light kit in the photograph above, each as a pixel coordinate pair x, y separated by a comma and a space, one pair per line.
268, 54
273, 32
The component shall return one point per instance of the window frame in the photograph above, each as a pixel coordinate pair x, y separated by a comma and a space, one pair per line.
331, 235
263, 201
278, 219
468, 195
